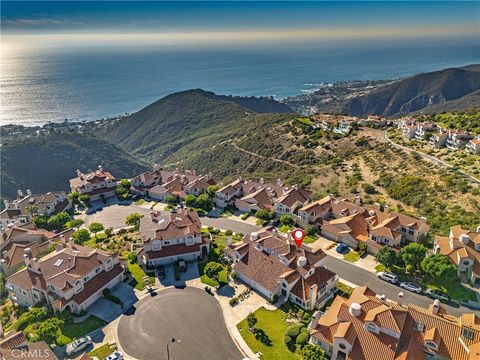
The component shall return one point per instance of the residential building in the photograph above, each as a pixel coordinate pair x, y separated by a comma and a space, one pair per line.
291, 201
25, 206
424, 128
367, 326
173, 187
251, 203
171, 236
97, 184
438, 140
240, 188
473, 146
463, 248
408, 131
15, 346
328, 208
71, 277
406, 121
199, 186
274, 266
16, 239
457, 139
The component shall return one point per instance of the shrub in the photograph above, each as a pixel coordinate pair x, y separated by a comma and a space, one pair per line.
228, 233
302, 338
215, 231
288, 339
362, 247
244, 216
293, 330
274, 298
233, 301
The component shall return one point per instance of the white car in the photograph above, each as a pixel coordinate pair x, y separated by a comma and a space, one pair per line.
78, 345
411, 287
388, 277
117, 355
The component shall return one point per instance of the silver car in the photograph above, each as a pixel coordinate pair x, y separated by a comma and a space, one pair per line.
411, 287
117, 355
78, 345
388, 277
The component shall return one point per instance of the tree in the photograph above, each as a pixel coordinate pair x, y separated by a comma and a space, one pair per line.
74, 197
386, 256
265, 215
74, 223
251, 321
310, 230
413, 254
439, 267
32, 209
125, 183
95, 227
58, 221
313, 352
286, 220
171, 200
204, 202
108, 231
81, 236
212, 269
123, 187
190, 200
133, 220
369, 189
48, 329
211, 190
85, 199
40, 222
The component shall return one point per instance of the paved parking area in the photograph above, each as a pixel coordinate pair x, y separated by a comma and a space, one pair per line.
189, 315
113, 215
189, 274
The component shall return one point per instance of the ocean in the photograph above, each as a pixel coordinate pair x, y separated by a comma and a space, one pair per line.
81, 83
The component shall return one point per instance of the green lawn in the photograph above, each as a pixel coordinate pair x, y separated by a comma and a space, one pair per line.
351, 256
222, 276
344, 288
274, 326
309, 239
305, 121
72, 331
139, 202
138, 273
103, 351
454, 289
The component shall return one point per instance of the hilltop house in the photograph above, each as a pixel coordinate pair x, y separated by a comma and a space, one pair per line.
27, 205
438, 140
473, 146
251, 203
424, 128
408, 131
16, 239
366, 326
291, 201
72, 277
274, 266
97, 184
239, 189
171, 236
463, 249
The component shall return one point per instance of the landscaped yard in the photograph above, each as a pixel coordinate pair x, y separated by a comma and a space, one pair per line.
103, 351
72, 331
454, 289
272, 323
351, 256
138, 273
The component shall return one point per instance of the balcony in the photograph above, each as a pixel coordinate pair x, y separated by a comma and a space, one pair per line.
323, 299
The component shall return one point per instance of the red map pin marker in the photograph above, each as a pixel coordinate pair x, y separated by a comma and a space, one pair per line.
298, 235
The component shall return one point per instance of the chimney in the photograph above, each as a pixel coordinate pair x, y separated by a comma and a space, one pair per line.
435, 306
400, 298
79, 174
29, 192
20, 193
358, 200
279, 182
35, 264
355, 309
100, 168
254, 236
262, 181
385, 209
70, 243
63, 241
377, 206
295, 186
314, 321
6, 203
383, 298
26, 259
465, 239
313, 295
301, 261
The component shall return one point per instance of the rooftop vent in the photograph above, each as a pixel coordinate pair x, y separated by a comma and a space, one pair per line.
355, 309
58, 262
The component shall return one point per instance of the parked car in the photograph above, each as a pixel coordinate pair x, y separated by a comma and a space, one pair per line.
411, 287
208, 290
78, 345
342, 248
160, 272
388, 277
437, 294
117, 355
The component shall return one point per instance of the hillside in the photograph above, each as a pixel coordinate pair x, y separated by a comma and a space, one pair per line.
185, 122
444, 90
47, 162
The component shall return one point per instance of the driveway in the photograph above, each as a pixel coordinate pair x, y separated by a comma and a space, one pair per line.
189, 274
190, 316
108, 310
229, 224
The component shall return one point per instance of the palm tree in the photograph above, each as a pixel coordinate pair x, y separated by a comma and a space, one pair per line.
32, 209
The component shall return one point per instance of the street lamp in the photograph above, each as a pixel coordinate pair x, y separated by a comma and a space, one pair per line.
168, 350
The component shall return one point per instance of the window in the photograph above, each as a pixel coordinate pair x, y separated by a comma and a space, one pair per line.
410, 232
86, 278
167, 242
467, 333
431, 344
35, 295
156, 245
97, 270
466, 263
374, 238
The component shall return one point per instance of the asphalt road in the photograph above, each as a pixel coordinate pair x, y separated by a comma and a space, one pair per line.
361, 277
228, 224
189, 315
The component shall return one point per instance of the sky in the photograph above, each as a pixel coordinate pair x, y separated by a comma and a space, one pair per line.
126, 22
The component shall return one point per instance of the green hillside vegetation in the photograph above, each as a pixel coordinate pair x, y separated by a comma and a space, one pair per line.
46, 163
461, 120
